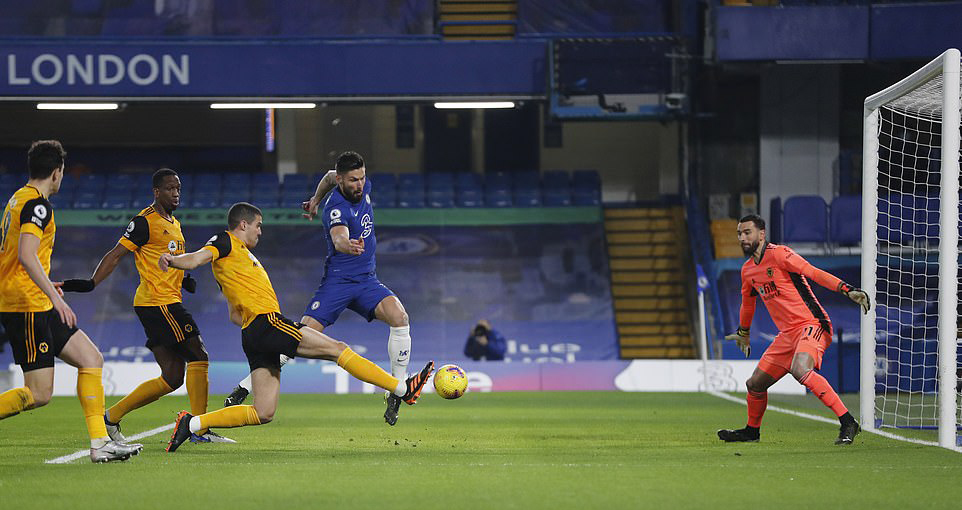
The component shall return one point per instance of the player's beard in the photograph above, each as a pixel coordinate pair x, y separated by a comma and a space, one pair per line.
750, 250
350, 195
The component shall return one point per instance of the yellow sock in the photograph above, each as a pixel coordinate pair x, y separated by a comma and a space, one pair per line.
147, 392
197, 386
365, 370
233, 416
14, 401
90, 391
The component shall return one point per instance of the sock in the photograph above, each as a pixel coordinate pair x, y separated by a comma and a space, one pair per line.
90, 391
399, 350
757, 403
197, 386
233, 416
14, 401
246, 383
363, 369
821, 389
147, 392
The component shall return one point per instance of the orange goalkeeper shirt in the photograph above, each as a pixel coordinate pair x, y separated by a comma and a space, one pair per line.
781, 279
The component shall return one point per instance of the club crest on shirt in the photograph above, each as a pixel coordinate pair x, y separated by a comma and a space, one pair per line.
172, 246
770, 272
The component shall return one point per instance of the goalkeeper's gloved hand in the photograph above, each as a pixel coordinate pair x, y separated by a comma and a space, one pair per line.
77, 285
740, 336
189, 283
857, 295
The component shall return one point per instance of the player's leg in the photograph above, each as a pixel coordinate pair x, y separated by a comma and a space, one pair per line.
772, 366
80, 352
812, 342
12, 402
391, 311
317, 345
171, 377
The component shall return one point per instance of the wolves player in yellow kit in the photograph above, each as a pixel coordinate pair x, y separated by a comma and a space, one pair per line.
40, 325
172, 334
265, 333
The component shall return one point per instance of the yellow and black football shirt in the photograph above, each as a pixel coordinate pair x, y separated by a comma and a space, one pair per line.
149, 235
27, 211
241, 277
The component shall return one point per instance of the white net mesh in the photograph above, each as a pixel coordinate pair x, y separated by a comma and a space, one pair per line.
909, 163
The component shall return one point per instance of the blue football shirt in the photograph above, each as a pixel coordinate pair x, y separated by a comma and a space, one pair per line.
359, 219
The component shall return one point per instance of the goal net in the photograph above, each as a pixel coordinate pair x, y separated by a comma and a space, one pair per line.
910, 235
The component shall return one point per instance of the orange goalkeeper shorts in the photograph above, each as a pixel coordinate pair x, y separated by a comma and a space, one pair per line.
808, 338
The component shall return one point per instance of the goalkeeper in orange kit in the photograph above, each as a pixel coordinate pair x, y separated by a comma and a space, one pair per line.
780, 276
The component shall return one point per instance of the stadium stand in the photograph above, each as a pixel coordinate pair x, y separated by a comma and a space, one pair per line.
805, 219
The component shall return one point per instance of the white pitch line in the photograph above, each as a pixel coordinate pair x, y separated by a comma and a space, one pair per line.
823, 419
83, 453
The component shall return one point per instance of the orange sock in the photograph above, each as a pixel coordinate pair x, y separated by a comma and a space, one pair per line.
365, 370
233, 416
821, 389
90, 391
147, 392
757, 403
197, 386
14, 401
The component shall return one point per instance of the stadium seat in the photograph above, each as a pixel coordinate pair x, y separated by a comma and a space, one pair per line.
382, 181
498, 198
264, 181
527, 197
120, 182
91, 183
526, 180
805, 219
140, 201
585, 197
386, 197
207, 183
298, 182
472, 197
468, 181
440, 198
231, 196
206, 199
845, 219
290, 201
88, 200
410, 182
238, 181
557, 197
62, 200
497, 181
410, 197
443, 181
555, 179
117, 200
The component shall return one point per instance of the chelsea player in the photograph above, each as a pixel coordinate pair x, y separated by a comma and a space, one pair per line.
349, 278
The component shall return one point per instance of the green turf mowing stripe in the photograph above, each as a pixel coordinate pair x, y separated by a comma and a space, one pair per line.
83, 453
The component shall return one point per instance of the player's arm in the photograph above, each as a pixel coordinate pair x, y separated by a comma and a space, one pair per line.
186, 260
745, 315
340, 236
27, 255
325, 185
135, 235
795, 263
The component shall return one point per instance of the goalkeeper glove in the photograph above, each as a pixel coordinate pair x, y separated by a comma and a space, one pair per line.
859, 296
77, 285
189, 283
740, 336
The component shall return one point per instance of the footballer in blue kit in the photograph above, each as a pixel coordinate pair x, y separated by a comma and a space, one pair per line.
349, 279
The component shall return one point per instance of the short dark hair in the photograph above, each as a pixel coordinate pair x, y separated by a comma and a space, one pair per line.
242, 211
754, 218
159, 175
44, 157
348, 161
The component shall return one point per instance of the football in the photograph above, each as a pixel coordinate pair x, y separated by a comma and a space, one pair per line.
450, 381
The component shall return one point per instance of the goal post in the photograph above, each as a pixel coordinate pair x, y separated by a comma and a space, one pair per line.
910, 250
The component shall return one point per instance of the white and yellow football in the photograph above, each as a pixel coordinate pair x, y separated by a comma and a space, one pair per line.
450, 381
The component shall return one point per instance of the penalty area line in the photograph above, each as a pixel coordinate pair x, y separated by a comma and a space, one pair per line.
823, 419
83, 453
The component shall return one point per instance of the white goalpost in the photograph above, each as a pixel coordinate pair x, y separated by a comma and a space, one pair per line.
910, 256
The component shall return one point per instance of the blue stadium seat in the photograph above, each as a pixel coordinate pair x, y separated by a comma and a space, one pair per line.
298, 182
471, 197
62, 200
383, 181
526, 180
88, 200
440, 198
845, 219
91, 183
410, 197
468, 181
805, 219
585, 197
498, 198
140, 201
384, 197
266, 195
290, 201
120, 182
10, 180
410, 182
205, 199
117, 201
207, 182
264, 181
238, 181
589, 178
497, 181
231, 196
557, 197
527, 197
439, 181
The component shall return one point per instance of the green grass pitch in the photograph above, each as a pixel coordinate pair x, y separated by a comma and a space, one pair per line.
497, 450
